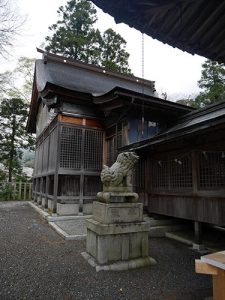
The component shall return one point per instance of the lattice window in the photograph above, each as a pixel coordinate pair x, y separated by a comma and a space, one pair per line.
52, 150
71, 144
93, 150
45, 155
181, 173
158, 175
174, 174
211, 170
92, 185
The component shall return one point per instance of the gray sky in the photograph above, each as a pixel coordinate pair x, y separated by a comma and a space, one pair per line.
175, 72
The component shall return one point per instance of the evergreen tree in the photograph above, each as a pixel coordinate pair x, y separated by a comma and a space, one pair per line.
114, 55
13, 135
15, 91
74, 36
212, 83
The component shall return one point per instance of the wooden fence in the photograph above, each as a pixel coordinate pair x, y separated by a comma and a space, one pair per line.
15, 191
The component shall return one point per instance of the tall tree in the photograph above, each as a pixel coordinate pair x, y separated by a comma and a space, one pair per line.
74, 36
10, 25
13, 115
18, 83
114, 55
212, 83
15, 91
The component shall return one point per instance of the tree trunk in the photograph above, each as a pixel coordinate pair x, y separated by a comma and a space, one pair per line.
12, 148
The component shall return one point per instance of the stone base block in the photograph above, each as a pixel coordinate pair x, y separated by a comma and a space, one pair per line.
39, 200
117, 197
67, 209
50, 205
109, 243
87, 208
117, 212
43, 202
119, 265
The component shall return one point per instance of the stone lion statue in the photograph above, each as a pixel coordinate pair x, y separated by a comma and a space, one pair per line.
119, 174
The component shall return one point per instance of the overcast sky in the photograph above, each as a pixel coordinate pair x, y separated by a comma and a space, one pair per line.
175, 72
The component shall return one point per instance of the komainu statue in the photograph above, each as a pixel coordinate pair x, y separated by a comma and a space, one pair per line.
116, 179
119, 174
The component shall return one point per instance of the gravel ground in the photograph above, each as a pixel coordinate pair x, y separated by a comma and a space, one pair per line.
36, 263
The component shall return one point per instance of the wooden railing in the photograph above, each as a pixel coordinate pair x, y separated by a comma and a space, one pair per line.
15, 191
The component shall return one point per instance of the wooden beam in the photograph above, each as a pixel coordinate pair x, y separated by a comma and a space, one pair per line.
204, 268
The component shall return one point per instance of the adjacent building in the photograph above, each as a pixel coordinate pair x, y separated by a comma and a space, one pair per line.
84, 116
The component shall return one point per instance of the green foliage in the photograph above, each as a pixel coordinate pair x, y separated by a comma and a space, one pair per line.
114, 55
13, 135
2, 175
74, 36
15, 91
6, 193
18, 83
212, 83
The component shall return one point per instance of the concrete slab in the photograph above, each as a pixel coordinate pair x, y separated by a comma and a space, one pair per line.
68, 227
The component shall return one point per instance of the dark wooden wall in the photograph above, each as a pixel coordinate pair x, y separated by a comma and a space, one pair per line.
68, 161
189, 185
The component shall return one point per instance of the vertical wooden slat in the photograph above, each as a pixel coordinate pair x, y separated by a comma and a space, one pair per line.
25, 191
29, 193
20, 191
14, 191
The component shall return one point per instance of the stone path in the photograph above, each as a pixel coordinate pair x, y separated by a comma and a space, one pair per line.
69, 227
73, 227
36, 263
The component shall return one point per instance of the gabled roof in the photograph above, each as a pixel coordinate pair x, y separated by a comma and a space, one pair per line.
78, 76
194, 122
91, 85
195, 26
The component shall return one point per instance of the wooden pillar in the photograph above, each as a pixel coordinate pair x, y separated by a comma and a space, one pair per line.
20, 190
35, 189
219, 285
198, 232
46, 192
40, 191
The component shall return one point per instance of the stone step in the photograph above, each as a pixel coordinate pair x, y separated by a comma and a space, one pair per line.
160, 231
162, 222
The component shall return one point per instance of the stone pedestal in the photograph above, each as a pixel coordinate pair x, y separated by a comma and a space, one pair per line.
117, 237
